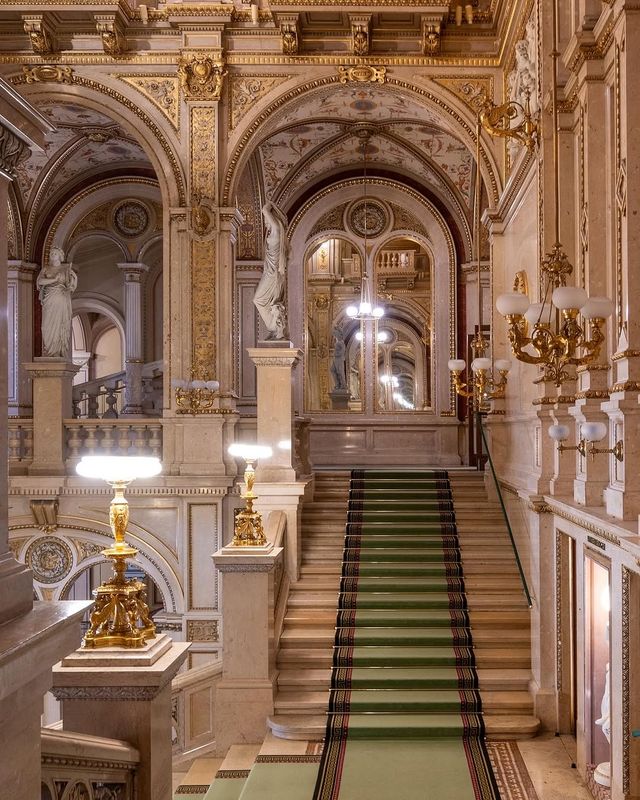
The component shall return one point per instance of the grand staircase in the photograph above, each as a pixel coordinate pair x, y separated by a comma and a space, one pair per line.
498, 612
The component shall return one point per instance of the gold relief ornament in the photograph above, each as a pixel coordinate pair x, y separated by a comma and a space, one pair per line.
40, 37
363, 73
201, 76
247, 529
120, 615
202, 216
431, 39
360, 40
290, 39
113, 39
497, 121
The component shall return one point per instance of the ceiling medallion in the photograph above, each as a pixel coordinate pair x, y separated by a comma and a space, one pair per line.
368, 218
131, 218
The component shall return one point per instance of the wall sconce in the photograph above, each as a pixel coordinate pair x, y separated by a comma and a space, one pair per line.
483, 385
195, 396
591, 432
247, 529
120, 616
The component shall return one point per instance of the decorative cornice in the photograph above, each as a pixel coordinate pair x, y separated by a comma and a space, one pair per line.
625, 354
80, 762
593, 394
582, 523
625, 386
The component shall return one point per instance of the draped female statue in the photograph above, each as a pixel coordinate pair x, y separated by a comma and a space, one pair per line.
56, 283
269, 298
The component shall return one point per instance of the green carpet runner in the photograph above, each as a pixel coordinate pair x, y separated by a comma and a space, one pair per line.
405, 717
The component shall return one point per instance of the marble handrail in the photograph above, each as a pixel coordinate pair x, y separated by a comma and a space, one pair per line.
92, 767
112, 437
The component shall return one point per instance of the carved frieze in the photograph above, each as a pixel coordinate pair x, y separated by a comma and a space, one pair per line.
201, 76
202, 630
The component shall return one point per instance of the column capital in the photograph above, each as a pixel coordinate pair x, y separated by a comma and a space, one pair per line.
133, 270
274, 355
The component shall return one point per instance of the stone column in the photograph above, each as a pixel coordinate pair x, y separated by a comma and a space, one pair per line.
52, 404
244, 696
21, 277
133, 334
230, 220
125, 694
564, 473
33, 636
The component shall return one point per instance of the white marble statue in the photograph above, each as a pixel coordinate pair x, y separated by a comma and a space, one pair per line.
269, 298
523, 79
338, 365
56, 283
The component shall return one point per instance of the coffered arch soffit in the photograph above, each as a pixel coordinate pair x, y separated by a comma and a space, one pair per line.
392, 105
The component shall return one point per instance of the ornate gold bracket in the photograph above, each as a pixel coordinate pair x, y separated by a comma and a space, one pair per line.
497, 121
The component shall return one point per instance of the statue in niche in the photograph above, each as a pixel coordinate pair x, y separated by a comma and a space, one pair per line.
56, 283
269, 298
338, 364
523, 79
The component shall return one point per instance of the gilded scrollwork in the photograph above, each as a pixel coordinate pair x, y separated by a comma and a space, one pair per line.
364, 73
246, 90
161, 90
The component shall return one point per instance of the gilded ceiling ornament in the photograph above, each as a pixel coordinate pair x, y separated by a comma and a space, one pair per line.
363, 73
112, 35
246, 90
40, 35
473, 92
368, 217
201, 76
47, 73
161, 90
431, 38
360, 42
131, 218
290, 39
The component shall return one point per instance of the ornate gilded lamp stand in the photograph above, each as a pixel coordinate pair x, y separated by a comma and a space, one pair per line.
120, 616
247, 529
195, 396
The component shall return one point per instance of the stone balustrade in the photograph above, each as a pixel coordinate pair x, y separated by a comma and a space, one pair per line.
102, 398
20, 444
113, 437
76, 765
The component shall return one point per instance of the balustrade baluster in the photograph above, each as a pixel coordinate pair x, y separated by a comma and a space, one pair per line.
27, 442
155, 442
123, 440
91, 441
140, 439
111, 400
92, 404
108, 443
74, 442
13, 444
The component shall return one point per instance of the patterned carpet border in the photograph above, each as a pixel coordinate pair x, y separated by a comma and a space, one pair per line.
232, 773
512, 777
192, 788
301, 758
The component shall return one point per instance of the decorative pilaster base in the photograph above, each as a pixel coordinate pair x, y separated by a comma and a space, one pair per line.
125, 694
244, 696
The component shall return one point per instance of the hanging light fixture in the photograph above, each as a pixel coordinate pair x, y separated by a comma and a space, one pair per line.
557, 339
367, 309
483, 386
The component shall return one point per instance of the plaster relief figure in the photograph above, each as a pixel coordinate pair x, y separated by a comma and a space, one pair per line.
269, 298
56, 283
339, 361
523, 79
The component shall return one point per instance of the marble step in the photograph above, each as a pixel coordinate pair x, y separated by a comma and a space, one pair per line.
510, 602
315, 701
490, 657
313, 637
498, 727
502, 620
485, 582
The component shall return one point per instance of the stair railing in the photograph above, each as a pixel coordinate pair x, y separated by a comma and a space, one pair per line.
504, 510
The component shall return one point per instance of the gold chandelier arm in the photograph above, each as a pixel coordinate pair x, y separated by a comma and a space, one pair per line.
460, 386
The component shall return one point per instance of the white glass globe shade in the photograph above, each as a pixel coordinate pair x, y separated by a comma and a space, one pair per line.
456, 364
359, 336
198, 384
119, 468
538, 312
559, 433
480, 363
352, 311
178, 383
594, 431
365, 308
565, 297
250, 452
503, 364
213, 386
597, 308
383, 336
378, 312
512, 303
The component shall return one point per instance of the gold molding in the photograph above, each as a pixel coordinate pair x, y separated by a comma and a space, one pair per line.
47, 73
626, 696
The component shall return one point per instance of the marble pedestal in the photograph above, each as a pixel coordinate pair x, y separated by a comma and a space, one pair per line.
29, 645
275, 409
286, 497
244, 695
125, 694
52, 404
